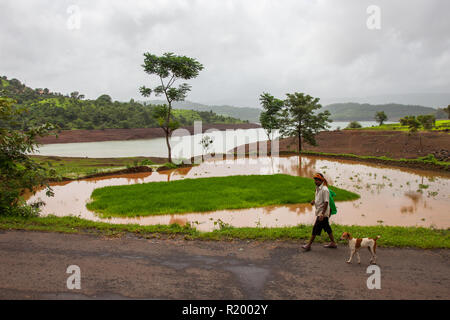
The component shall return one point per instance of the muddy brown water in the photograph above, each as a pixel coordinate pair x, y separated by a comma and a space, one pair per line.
389, 196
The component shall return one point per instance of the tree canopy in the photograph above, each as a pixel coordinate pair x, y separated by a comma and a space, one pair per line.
412, 123
300, 118
296, 116
380, 117
270, 117
427, 121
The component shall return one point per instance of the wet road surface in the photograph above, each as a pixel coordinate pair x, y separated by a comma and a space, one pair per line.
33, 266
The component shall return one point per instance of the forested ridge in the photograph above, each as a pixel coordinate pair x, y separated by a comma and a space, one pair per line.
73, 111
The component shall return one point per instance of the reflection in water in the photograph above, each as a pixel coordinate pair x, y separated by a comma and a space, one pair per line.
180, 221
416, 197
391, 196
180, 171
299, 166
406, 209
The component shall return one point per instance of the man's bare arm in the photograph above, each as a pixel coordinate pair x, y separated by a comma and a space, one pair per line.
322, 214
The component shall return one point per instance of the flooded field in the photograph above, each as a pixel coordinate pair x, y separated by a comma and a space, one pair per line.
389, 196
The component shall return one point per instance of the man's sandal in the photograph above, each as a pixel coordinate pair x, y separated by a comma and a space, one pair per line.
306, 247
333, 246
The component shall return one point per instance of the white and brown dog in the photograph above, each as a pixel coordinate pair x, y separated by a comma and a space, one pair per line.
356, 243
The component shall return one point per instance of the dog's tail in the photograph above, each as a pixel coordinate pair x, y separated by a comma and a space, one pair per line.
377, 237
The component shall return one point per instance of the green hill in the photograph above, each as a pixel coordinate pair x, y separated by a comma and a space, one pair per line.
75, 112
244, 113
365, 112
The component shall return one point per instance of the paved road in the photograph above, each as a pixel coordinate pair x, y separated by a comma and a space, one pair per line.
33, 266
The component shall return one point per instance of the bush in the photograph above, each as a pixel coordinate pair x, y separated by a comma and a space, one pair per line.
18, 172
147, 162
427, 121
170, 165
354, 125
429, 158
24, 210
412, 123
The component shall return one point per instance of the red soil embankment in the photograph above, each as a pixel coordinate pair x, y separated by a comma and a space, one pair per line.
392, 144
70, 136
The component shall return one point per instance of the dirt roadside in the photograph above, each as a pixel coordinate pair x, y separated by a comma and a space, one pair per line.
34, 266
71, 136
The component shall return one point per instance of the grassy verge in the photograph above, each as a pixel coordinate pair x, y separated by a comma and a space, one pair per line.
429, 160
76, 167
439, 126
205, 194
390, 236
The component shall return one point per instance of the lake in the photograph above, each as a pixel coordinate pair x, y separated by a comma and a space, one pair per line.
182, 147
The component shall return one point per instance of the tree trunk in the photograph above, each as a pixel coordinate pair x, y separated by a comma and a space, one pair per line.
270, 145
168, 146
299, 142
168, 132
420, 142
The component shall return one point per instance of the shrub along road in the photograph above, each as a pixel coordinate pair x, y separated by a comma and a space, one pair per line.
34, 266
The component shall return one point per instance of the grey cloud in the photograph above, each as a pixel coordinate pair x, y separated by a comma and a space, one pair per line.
321, 47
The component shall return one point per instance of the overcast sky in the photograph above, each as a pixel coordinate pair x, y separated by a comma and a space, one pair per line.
323, 48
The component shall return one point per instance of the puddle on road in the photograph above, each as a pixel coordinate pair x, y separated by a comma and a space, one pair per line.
389, 196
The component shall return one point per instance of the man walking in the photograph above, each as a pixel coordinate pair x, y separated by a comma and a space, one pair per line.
322, 205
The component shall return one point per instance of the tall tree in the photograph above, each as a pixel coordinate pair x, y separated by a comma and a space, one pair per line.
169, 68
413, 127
300, 118
380, 117
270, 117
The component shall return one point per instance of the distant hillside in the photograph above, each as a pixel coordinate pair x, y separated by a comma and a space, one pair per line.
349, 111
366, 112
244, 113
433, 100
75, 112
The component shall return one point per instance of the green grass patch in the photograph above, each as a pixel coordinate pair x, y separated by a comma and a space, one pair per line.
440, 125
390, 236
205, 194
78, 225
76, 167
416, 237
